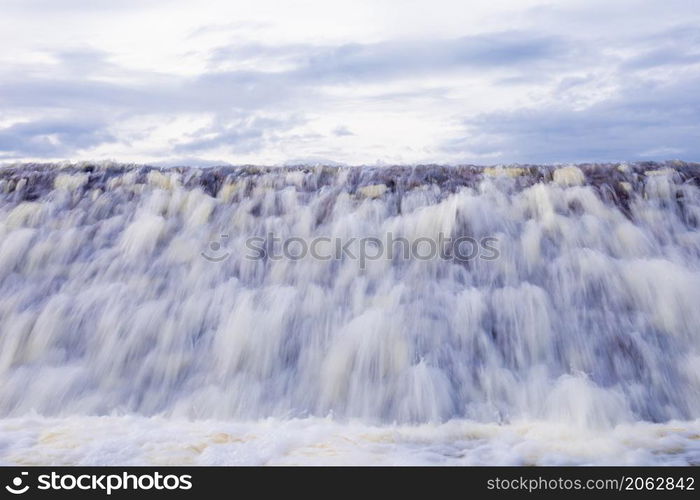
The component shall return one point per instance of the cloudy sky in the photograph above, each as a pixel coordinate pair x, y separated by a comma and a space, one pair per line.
357, 82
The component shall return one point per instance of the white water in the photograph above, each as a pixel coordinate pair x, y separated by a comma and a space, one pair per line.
583, 333
132, 440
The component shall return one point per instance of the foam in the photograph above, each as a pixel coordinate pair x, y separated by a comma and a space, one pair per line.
130, 440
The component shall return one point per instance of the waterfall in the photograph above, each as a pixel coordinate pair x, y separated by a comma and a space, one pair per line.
132, 290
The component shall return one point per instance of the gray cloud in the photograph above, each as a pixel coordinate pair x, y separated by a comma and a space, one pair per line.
643, 121
678, 46
84, 61
392, 59
51, 138
662, 57
239, 135
497, 50
342, 131
220, 92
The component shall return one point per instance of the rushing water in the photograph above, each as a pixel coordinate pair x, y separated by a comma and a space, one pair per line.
130, 292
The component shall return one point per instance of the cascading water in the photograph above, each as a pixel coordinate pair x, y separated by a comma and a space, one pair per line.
130, 292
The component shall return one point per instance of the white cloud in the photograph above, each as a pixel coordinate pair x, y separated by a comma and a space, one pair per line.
356, 82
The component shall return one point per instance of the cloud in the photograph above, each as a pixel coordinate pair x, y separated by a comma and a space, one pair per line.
642, 121
209, 93
676, 46
402, 58
86, 78
66, 85
84, 61
562, 83
74, 5
342, 131
51, 138
390, 59
240, 135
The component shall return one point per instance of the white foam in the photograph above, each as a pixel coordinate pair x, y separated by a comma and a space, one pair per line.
70, 182
569, 176
373, 191
132, 440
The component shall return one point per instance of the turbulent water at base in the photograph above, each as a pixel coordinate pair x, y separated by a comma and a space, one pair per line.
589, 317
